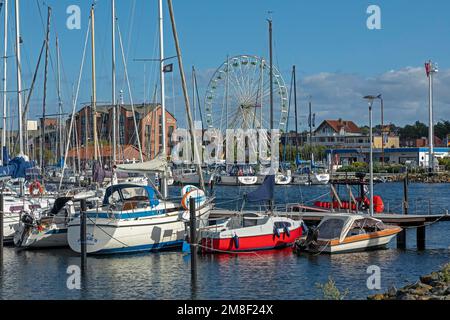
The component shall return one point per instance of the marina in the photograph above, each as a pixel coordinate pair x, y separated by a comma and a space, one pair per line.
166, 275
211, 184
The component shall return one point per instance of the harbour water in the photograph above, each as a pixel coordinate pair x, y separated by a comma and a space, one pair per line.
42, 274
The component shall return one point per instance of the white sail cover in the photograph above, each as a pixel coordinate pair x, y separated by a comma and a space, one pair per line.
159, 164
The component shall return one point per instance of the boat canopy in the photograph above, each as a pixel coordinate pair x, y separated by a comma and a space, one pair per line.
159, 164
126, 188
16, 168
337, 226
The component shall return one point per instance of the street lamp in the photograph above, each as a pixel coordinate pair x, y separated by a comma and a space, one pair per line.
382, 128
370, 101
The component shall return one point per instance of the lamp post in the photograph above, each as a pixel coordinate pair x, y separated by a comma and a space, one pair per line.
370, 101
431, 69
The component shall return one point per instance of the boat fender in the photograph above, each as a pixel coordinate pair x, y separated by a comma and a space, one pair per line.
236, 241
287, 231
276, 232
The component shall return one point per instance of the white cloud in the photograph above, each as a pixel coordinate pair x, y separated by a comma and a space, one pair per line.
405, 94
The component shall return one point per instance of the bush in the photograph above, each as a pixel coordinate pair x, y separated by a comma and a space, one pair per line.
330, 291
445, 162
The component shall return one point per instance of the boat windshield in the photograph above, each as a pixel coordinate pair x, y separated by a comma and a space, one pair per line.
131, 197
331, 228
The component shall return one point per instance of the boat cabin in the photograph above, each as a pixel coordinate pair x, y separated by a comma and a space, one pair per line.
122, 197
341, 226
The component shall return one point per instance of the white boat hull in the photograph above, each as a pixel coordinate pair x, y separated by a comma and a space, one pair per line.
109, 235
52, 238
238, 180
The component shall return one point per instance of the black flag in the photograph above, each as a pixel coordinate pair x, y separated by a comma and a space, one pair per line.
168, 68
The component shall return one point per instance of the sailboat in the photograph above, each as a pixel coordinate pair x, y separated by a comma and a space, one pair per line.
134, 218
16, 202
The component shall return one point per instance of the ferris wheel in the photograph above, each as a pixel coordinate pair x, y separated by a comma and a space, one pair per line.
238, 95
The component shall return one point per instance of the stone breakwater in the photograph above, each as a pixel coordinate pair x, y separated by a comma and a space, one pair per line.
433, 286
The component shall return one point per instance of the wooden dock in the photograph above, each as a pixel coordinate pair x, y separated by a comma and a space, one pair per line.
417, 221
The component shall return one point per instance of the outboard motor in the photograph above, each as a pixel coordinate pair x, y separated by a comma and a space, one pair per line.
309, 243
27, 219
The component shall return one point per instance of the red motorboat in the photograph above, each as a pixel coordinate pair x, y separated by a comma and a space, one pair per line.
251, 233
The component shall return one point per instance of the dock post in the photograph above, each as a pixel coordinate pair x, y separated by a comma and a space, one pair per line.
1, 228
421, 238
83, 235
401, 236
193, 242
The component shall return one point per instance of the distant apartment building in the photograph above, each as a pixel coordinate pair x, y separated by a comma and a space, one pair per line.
390, 141
422, 142
338, 134
148, 120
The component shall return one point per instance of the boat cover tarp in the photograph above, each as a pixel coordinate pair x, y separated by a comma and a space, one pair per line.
99, 173
16, 168
152, 197
264, 192
159, 164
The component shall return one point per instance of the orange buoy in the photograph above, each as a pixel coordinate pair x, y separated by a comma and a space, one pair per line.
378, 205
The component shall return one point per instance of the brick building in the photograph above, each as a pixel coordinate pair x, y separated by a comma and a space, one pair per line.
149, 122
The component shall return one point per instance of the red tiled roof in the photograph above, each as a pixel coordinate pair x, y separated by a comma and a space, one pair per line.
126, 151
349, 126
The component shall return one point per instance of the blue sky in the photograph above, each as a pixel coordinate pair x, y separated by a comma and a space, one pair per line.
338, 59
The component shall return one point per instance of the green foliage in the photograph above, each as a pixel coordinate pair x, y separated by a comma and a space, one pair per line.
330, 291
415, 131
305, 152
377, 168
441, 129
445, 162
419, 130
444, 275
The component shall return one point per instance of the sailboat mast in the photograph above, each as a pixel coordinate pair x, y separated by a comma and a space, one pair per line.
164, 190
94, 89
60, 126
186, 98
49, 11
295, 111
113, 91
5, 64
271, 73
19, 78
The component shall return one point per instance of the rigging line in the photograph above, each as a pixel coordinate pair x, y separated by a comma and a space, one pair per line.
126, 56
129, 92
75, 101
45, 31
27, 103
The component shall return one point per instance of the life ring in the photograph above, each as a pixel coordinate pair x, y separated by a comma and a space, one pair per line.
36, 185
197, 194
